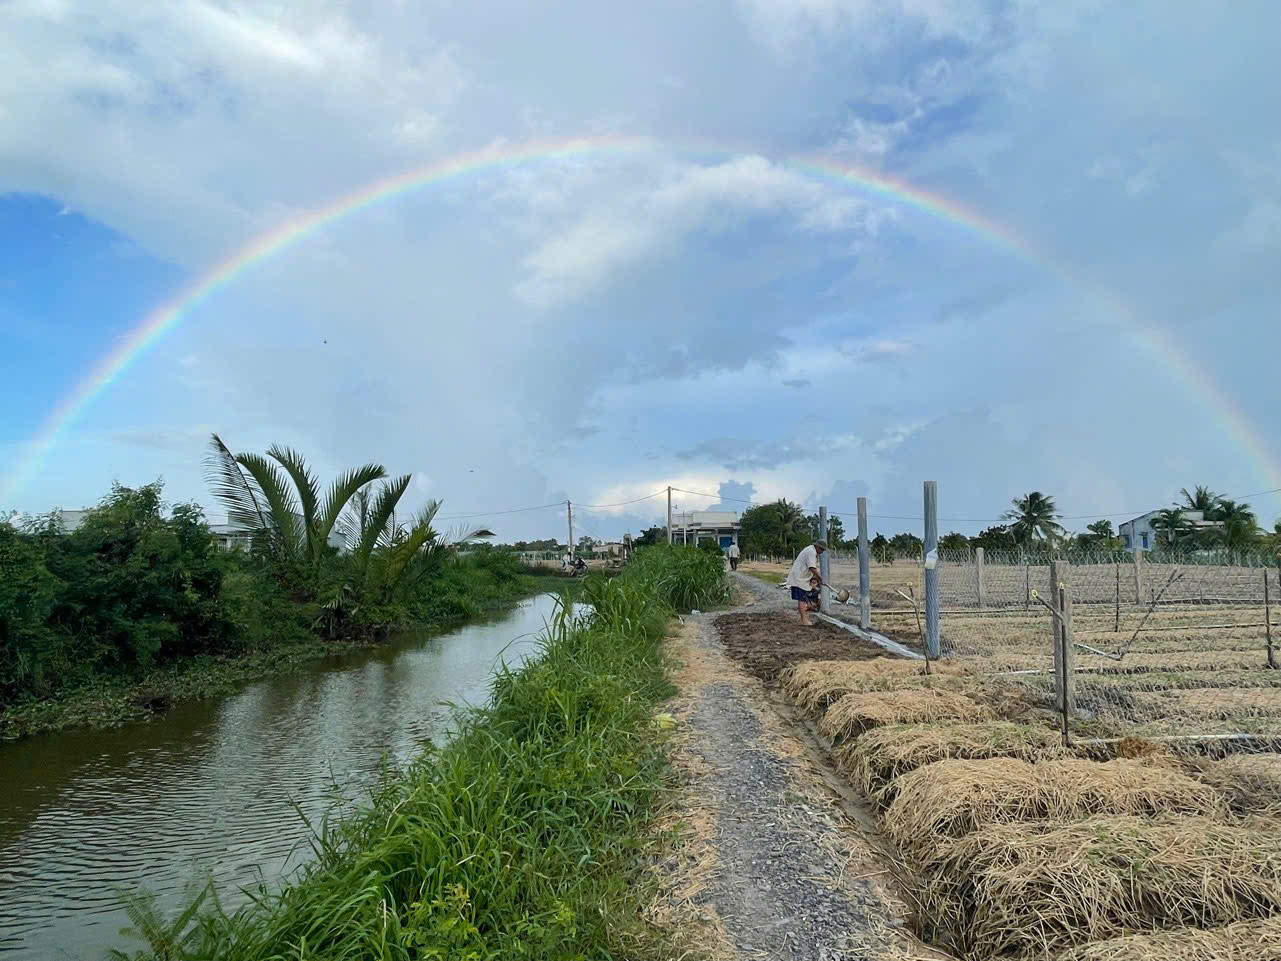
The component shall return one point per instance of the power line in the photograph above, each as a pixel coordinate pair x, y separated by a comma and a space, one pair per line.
634, 500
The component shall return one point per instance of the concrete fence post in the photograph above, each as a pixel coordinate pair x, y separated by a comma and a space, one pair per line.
864, 568
824, 563
978, 576
1138, 575
931, 570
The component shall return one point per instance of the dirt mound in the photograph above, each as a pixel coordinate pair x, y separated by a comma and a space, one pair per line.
816, 684
880, 756
1038, 890
855, 713
949, 799
1243, 941
766, 644
1250, 782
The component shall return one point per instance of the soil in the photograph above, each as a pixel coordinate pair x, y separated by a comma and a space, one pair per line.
766, 643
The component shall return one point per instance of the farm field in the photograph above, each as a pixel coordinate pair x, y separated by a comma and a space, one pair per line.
1119, 845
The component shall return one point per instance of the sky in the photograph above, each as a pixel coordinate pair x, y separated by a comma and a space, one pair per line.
1075, 286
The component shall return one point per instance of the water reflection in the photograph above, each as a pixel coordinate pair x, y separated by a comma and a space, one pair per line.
212, 786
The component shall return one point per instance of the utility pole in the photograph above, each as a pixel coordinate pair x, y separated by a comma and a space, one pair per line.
669, 513
569, 512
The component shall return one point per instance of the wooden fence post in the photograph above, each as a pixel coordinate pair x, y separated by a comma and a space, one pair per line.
978, 575
1069, 641
1138, 575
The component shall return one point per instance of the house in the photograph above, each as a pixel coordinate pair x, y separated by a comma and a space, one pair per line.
67, 521
690, 527
238, 537
1139, 532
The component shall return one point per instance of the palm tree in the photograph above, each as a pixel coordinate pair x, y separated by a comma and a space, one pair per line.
276, 497
792, 524
1239, 528
1172, 522
1200, 499
1034, 518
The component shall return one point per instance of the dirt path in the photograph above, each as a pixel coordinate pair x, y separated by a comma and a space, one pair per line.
774, 863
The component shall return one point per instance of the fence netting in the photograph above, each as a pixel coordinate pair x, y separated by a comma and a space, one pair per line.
1159, 646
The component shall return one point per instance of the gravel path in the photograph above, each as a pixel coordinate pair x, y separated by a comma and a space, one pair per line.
786, 873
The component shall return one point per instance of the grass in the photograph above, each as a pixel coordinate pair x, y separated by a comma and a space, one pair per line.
525, 835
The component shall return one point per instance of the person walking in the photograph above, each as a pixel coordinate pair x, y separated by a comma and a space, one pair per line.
733, 556
804, 580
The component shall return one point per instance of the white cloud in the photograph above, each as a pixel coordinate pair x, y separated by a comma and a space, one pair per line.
657, 218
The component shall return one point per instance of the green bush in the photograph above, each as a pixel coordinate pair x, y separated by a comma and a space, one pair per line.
30, 653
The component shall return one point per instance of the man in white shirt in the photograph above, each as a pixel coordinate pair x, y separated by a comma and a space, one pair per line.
566, 561
733, 556
805, 580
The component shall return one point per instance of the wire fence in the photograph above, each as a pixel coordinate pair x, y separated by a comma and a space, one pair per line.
1141, 644
1125, 644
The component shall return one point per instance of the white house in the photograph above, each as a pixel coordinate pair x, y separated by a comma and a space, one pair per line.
67, 521
1140, 533
237, 537
690, 527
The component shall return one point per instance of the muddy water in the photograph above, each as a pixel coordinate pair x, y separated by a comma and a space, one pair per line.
217, 787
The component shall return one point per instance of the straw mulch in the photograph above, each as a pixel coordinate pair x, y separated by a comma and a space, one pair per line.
1243, 941
1037, 890
878, 757
816, 684
1251, 783
949, 799
855, 713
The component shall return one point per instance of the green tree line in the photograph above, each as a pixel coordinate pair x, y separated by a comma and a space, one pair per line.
140, 584
782, 528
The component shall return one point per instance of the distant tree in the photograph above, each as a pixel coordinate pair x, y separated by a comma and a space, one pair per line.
907, 545
954, 542
1169, 525
1099, 536
654, 535
1239, 528
779, 527
1200, 499
586, 545
1034, 519
998, 538
835, 530
879, 547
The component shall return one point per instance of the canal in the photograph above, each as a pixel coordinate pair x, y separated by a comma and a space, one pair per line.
222, 787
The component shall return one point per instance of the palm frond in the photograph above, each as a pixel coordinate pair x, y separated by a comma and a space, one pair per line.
389, 496
304, 483
342, 490
236, 490
280, 499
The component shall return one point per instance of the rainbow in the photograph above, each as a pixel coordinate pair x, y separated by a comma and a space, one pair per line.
171, 313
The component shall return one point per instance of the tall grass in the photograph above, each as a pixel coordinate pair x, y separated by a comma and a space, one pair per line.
523, 836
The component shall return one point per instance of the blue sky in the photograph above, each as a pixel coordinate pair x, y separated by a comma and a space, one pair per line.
602, 325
